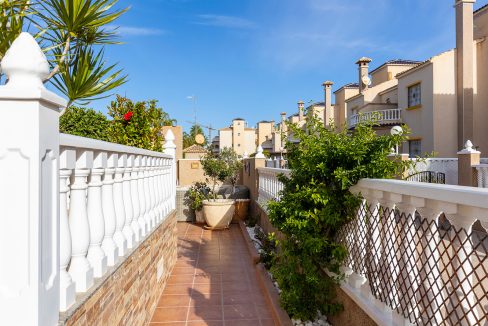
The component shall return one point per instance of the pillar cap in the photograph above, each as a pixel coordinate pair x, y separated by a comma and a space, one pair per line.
327, 83
364, 60
469, 148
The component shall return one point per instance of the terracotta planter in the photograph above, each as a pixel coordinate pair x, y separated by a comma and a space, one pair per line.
242, 210
218, 213
199, 217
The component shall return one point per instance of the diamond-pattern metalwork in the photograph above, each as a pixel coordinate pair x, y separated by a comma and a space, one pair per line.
429, 271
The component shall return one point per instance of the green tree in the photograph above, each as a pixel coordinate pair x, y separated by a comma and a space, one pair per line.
73, 34
316, 203
137, 124
189, 138
223, 167
85, 123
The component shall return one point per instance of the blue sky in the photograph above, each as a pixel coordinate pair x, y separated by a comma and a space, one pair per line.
256, 58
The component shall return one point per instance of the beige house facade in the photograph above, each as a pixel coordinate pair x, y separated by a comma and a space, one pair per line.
441, 100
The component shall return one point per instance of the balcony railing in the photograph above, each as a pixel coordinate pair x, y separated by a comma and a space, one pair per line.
381, 117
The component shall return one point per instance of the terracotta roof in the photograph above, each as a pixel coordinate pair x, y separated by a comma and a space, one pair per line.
397, 62
195, 149
350, 85
238, 119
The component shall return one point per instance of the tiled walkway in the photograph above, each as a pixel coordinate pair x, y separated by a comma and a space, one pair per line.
213, 282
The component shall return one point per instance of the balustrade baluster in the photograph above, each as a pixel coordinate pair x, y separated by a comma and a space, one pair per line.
95, 255
129, 214
147, 195
80, 268
108, 244
152, 192
134, 191
159, 201
118, 194
66, 285
142, 194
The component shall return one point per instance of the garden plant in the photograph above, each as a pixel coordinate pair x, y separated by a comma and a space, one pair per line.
73, 34
316, 203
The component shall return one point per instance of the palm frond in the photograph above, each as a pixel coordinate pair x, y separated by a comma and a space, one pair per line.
87, 78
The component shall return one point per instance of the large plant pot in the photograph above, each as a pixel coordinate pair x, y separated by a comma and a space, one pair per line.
242, 210
199, 217
218, 213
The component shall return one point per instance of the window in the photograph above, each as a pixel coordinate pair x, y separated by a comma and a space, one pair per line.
238, 145
238, 134
414, 95
414, 148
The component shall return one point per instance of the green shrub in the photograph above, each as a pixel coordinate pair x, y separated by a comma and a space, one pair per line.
137, 124
195, 196
316, 203
84, 122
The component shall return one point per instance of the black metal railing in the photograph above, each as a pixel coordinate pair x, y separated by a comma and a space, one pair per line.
428, 177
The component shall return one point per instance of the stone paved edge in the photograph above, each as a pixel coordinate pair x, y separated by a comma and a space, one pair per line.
272, 297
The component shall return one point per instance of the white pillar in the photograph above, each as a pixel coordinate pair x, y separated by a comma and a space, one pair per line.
96, 256
29, 189
170, 149
134, 191
119, 237
108, 244
127, 230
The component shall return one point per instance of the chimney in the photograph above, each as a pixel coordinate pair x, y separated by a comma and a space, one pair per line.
328, 114
300, 110
464, 69
363, 67
283, 116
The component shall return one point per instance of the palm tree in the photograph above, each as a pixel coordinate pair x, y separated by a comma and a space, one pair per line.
73, 34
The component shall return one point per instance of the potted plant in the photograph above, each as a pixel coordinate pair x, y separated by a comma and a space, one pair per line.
195, 196
222, 167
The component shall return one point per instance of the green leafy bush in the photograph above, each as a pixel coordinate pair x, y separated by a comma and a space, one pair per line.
195, 196
84, 122
137, 124
316, 203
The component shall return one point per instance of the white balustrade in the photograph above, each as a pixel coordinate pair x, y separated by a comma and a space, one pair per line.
269, 185
113, 189
62, 207
381, 116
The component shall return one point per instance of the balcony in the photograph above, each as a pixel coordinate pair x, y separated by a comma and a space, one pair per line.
382, 117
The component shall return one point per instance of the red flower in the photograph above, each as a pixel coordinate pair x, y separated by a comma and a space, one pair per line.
128, 116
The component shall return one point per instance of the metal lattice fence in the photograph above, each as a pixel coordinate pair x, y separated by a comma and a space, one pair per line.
424, 268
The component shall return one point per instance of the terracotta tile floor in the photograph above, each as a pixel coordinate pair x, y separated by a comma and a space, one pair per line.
212, 283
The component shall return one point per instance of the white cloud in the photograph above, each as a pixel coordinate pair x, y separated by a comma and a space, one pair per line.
226, 21
136, 31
